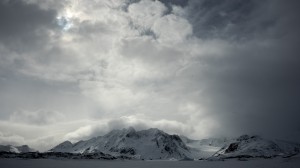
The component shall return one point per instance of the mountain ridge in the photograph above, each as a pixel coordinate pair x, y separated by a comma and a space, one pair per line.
155, 144
145, 144
247, 146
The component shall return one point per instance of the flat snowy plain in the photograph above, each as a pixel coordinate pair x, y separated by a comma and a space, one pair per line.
293, 162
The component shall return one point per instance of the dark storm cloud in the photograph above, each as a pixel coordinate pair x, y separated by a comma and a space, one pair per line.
254, 91
170, 3
238, 19
25, 43
255, 87
23, 25
167, 3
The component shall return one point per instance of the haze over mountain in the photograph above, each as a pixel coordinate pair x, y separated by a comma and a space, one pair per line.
16, 149
76, 69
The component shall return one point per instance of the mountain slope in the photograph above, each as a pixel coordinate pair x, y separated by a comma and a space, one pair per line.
145, 144
156, 144
255, 146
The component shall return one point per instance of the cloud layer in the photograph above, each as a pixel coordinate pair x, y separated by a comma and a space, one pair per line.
77, 69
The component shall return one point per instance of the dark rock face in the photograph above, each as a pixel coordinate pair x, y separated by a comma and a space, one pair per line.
248, 138
130, 151
124, 150
232, 147
168, 149
132, 134
176, 137
243, 138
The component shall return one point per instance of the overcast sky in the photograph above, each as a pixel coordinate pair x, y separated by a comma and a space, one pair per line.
75, 69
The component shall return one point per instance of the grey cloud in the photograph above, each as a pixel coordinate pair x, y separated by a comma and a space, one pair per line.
24, 35
168, 3
248, 93
22, 24
170, 126
101, 127
208, 68
253, 85
24, 92
127, 3
39, 117
249, 83
149, 51
236, 20
171, 3
181, 3
49, 4
9, 139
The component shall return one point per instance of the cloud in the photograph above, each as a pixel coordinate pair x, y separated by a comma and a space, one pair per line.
233, 20
44, 137
101, 127
204, 68
29, 23
250, 82
40, 137
167, 29
39, 117
8, 139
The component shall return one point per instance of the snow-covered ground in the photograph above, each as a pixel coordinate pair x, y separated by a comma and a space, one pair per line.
293, 162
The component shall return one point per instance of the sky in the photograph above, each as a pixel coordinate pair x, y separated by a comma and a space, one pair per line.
76, 69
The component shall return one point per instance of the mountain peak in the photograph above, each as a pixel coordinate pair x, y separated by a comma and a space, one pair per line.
128, 130
62, 147
131, 129
154, 131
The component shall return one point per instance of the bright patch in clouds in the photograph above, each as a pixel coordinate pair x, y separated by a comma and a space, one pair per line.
64, 22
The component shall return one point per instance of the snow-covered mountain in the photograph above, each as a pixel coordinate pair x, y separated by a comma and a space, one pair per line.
156, 144
16, 149
145, 144
256, 146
